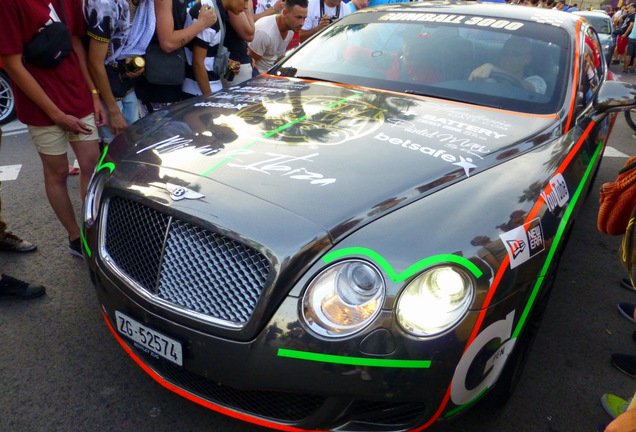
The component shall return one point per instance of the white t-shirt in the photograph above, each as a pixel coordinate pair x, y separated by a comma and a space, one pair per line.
313, 13
208, 37
262, 5
539, 83
267, 42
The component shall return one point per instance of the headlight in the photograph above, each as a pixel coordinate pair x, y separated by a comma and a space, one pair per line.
435, 301
343, 298
93, 197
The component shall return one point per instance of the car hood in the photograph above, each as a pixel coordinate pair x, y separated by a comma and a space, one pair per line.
335, 155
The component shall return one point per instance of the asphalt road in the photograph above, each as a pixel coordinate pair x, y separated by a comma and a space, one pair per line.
61, 369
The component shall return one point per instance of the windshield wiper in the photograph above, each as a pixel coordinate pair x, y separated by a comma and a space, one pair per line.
292, 71
311, 78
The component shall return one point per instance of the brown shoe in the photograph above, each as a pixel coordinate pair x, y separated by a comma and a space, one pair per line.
10, 242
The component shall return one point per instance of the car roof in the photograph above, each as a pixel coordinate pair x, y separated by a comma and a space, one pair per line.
593, 13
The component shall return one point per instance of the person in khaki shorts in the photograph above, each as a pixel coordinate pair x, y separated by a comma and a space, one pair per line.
60, 104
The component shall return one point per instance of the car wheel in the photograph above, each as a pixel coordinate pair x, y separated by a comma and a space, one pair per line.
511, 373
7, 100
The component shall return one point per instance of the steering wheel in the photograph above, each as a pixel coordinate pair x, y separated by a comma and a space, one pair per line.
508, 79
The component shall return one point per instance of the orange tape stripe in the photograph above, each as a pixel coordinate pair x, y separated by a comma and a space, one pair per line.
577, 49
504, 265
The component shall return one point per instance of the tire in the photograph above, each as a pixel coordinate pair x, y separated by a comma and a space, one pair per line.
7, 100
511, 373
630, 119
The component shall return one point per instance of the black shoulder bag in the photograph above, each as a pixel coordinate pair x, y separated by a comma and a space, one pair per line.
52, 43
164, 68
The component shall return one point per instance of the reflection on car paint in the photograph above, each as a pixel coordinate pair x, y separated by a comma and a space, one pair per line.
276, 131
344, 120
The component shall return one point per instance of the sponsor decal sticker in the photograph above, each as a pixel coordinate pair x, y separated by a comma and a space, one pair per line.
465, 163
285, 166
501, 331
464, 144
468, 115
453, 19
556, 194
177, 142
227, 105
523, 242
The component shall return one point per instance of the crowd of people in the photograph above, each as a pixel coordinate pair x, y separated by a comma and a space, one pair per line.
99, 84
102, 83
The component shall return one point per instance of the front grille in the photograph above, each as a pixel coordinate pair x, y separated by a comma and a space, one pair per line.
275, 405
184, 264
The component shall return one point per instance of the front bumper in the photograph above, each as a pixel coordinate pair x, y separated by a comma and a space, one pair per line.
252, 382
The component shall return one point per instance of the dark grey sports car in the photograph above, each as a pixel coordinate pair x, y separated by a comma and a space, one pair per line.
365, 237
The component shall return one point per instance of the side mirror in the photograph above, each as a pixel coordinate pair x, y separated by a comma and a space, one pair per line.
627, 253
615, 96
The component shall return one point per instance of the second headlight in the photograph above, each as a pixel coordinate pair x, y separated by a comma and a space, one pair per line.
435, 300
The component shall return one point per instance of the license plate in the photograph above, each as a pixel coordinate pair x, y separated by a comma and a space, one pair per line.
149, 340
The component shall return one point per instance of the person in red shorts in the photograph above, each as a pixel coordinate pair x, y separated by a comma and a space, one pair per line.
54, 102
623, 38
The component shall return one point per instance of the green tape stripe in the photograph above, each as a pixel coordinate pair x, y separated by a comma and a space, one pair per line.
395, 277
86, 248
357, 361
275, 131
101, 165
557, 239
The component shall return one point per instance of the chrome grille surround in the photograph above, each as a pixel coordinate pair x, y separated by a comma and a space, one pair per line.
181, 266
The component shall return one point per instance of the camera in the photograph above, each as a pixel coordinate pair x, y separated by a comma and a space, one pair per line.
332, 18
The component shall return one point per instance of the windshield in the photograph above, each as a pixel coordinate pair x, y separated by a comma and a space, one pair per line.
391, 51
600, 23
